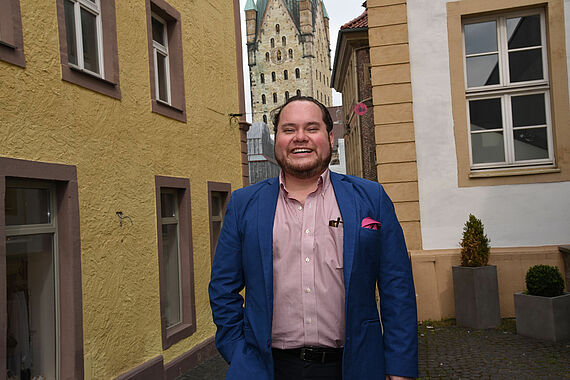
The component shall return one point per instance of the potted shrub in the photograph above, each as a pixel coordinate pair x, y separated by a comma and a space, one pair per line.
543, 311
475, 282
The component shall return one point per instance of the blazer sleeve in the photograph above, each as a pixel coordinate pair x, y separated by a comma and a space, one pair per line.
226, 283
397, 296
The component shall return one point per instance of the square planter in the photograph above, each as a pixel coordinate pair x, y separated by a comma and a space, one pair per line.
476, 297
543, 317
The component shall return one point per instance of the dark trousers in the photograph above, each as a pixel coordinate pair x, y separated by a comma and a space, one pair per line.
291, 367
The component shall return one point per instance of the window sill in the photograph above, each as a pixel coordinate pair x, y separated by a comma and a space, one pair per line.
85, 79
168, 110
512, 172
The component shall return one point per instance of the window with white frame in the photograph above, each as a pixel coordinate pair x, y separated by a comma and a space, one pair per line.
31, 279
508, 91
161, 59
84, 35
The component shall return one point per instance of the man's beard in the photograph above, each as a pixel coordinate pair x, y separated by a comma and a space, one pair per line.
306, 172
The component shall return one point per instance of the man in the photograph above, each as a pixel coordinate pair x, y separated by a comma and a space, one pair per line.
310, 247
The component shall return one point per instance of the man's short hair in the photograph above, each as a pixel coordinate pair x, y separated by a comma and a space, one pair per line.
327, 119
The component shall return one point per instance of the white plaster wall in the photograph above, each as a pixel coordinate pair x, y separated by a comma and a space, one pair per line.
515, 215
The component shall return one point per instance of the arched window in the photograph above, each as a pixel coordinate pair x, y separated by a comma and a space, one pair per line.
285, 75
266, 57
272, 42
274, 97
265, 118
273, 76
279, 55
297, 73
286, 95
277, 28
262, 78
263, 99
290, 53
284, 40
298, 92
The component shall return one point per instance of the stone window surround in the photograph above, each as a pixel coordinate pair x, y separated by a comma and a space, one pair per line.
69, 253
177, 108
554, 10
221, 187
187, 326
110, 84
11, 37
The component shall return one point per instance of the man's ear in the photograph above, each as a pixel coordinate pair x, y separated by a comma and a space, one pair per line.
331, 138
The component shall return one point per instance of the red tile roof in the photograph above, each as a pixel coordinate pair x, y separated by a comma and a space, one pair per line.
359, 22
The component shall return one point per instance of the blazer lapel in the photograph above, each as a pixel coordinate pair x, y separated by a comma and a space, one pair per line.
265, 216
345, 197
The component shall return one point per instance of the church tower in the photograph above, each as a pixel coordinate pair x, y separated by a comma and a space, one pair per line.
288, 45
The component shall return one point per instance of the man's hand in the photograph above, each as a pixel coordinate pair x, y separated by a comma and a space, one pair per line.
390, 377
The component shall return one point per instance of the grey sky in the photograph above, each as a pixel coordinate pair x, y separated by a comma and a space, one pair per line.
339, 11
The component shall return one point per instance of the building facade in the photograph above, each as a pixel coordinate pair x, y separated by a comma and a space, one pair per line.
117, 156
260, 153
351, 76
471, 114
288, 53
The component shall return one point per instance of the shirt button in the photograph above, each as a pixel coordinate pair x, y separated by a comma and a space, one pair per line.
307, 260
307, 231
309, 320
308, 290
300, 208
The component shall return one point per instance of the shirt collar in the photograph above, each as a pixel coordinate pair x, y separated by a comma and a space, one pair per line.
322, 184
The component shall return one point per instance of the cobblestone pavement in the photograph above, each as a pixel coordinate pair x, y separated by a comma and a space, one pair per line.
450, 352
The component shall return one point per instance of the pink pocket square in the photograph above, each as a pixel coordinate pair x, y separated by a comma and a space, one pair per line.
370, 224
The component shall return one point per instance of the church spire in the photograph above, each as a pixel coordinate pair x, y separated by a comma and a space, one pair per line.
250, 6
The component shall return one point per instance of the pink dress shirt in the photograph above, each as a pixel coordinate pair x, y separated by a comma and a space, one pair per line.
308, 280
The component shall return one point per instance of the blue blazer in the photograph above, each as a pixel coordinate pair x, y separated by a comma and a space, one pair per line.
244, 258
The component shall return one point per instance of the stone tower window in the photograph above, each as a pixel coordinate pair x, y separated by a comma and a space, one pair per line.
279, 55
297, 73
263, 101
273, 42
265, 118
290, 53
286, 95
274, 97
277, 28
284, 40
266, 57
262, 78
298, 92
285, 75
273, 76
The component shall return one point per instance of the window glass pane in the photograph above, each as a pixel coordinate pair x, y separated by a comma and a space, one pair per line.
485, 114
171, 275
523, 31
70, 32
487, 147
89, 38
158, 31
27, 206
525, 65
480, 37
216, 203
30, 289
528, 110
530, 144
216, 228
482, 70
162, 73
167, 204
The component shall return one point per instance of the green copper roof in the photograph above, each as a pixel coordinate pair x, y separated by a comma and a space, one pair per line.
325, 14
250, 6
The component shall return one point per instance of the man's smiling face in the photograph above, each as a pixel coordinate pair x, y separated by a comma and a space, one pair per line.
303, 147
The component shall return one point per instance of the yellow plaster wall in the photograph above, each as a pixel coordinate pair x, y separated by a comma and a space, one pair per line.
434, 283
118, 146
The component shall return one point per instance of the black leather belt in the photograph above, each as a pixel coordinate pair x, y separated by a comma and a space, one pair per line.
313, 354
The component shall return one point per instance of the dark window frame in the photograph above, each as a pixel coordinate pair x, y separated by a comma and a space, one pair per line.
69, 253
220, 187
109, 85
187, 326
11, 36
177, 108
